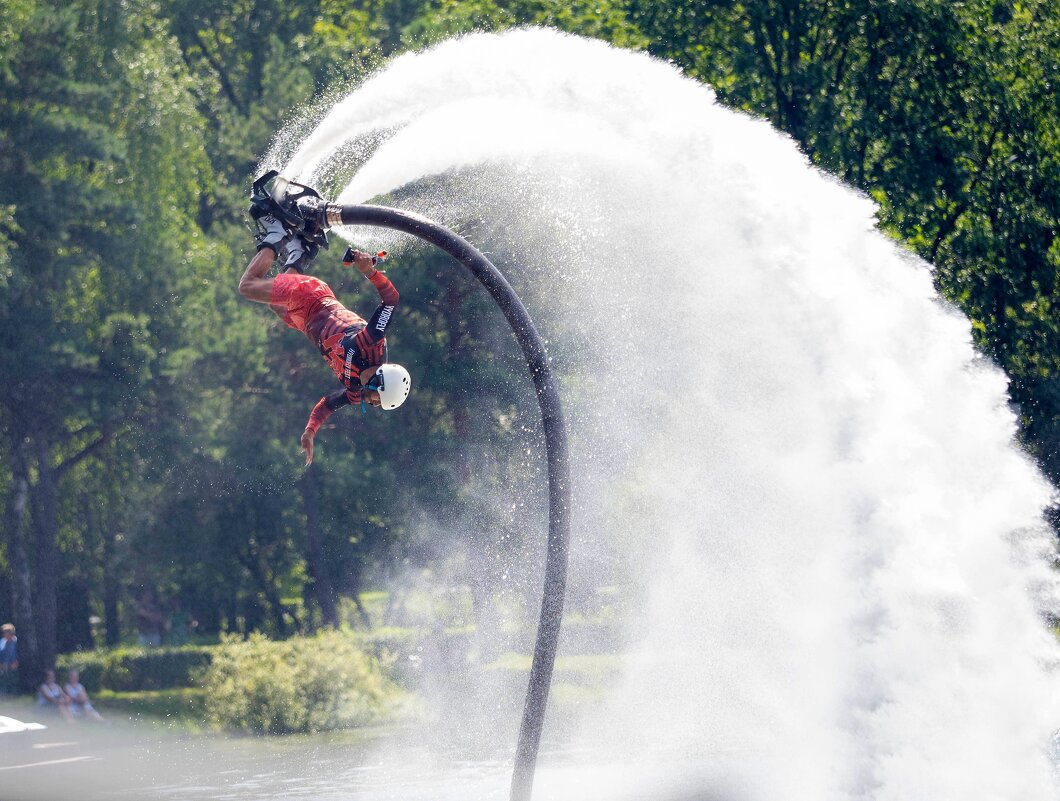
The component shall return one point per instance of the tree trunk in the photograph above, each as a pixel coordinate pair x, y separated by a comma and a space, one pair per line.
73, 629
30, 668
323, 589
111, 591
280, 612
355, 594
44, 500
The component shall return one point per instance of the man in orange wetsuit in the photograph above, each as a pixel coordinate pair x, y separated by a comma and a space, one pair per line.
355, 349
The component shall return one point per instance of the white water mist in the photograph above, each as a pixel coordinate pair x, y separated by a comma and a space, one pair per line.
790, 439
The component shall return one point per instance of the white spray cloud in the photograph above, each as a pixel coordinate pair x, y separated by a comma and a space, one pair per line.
790, 437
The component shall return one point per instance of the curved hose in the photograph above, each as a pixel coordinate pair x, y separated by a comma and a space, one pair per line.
558, 464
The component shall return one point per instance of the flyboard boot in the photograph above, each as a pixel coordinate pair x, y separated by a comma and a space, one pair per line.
290, 218
293, 216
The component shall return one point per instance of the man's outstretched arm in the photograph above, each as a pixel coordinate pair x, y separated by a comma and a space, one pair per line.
384, 313
388, 294
321, 412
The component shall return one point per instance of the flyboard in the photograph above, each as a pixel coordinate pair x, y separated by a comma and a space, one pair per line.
304, 213
295, 205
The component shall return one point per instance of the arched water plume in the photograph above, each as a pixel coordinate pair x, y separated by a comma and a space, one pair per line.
837, 554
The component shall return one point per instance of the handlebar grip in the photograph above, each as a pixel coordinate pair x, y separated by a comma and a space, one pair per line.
347, 257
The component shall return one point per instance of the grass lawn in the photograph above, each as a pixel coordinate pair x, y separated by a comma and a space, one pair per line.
184, 705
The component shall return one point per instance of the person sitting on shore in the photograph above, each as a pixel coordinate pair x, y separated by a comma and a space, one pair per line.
80, 706
51, 696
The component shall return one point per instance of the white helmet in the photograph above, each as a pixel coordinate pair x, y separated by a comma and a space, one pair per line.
393, 383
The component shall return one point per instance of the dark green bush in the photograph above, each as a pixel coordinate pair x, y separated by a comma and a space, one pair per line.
305, 684
133, 669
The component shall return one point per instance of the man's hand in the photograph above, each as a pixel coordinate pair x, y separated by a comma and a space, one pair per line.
364, 262
307, 446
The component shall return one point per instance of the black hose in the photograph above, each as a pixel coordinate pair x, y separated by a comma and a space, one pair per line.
558, 466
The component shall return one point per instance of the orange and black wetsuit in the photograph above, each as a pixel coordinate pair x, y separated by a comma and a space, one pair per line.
347, 343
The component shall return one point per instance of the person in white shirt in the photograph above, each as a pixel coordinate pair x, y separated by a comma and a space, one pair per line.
80, 706
51, 695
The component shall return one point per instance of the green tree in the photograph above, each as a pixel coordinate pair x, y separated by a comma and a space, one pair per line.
599, 20
97, 153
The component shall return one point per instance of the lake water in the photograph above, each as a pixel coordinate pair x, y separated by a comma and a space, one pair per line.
136, 761
129, 760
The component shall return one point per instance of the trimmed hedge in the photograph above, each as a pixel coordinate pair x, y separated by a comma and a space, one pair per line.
304, 684
136, 669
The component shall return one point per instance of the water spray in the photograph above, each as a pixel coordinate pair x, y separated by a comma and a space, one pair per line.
826, 565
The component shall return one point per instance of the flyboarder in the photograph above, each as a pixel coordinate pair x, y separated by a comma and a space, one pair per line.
354, 349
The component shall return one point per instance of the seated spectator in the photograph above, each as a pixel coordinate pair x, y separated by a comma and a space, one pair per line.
51, 696
80, 706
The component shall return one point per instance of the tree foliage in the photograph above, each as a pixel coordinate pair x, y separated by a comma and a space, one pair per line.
147, 412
